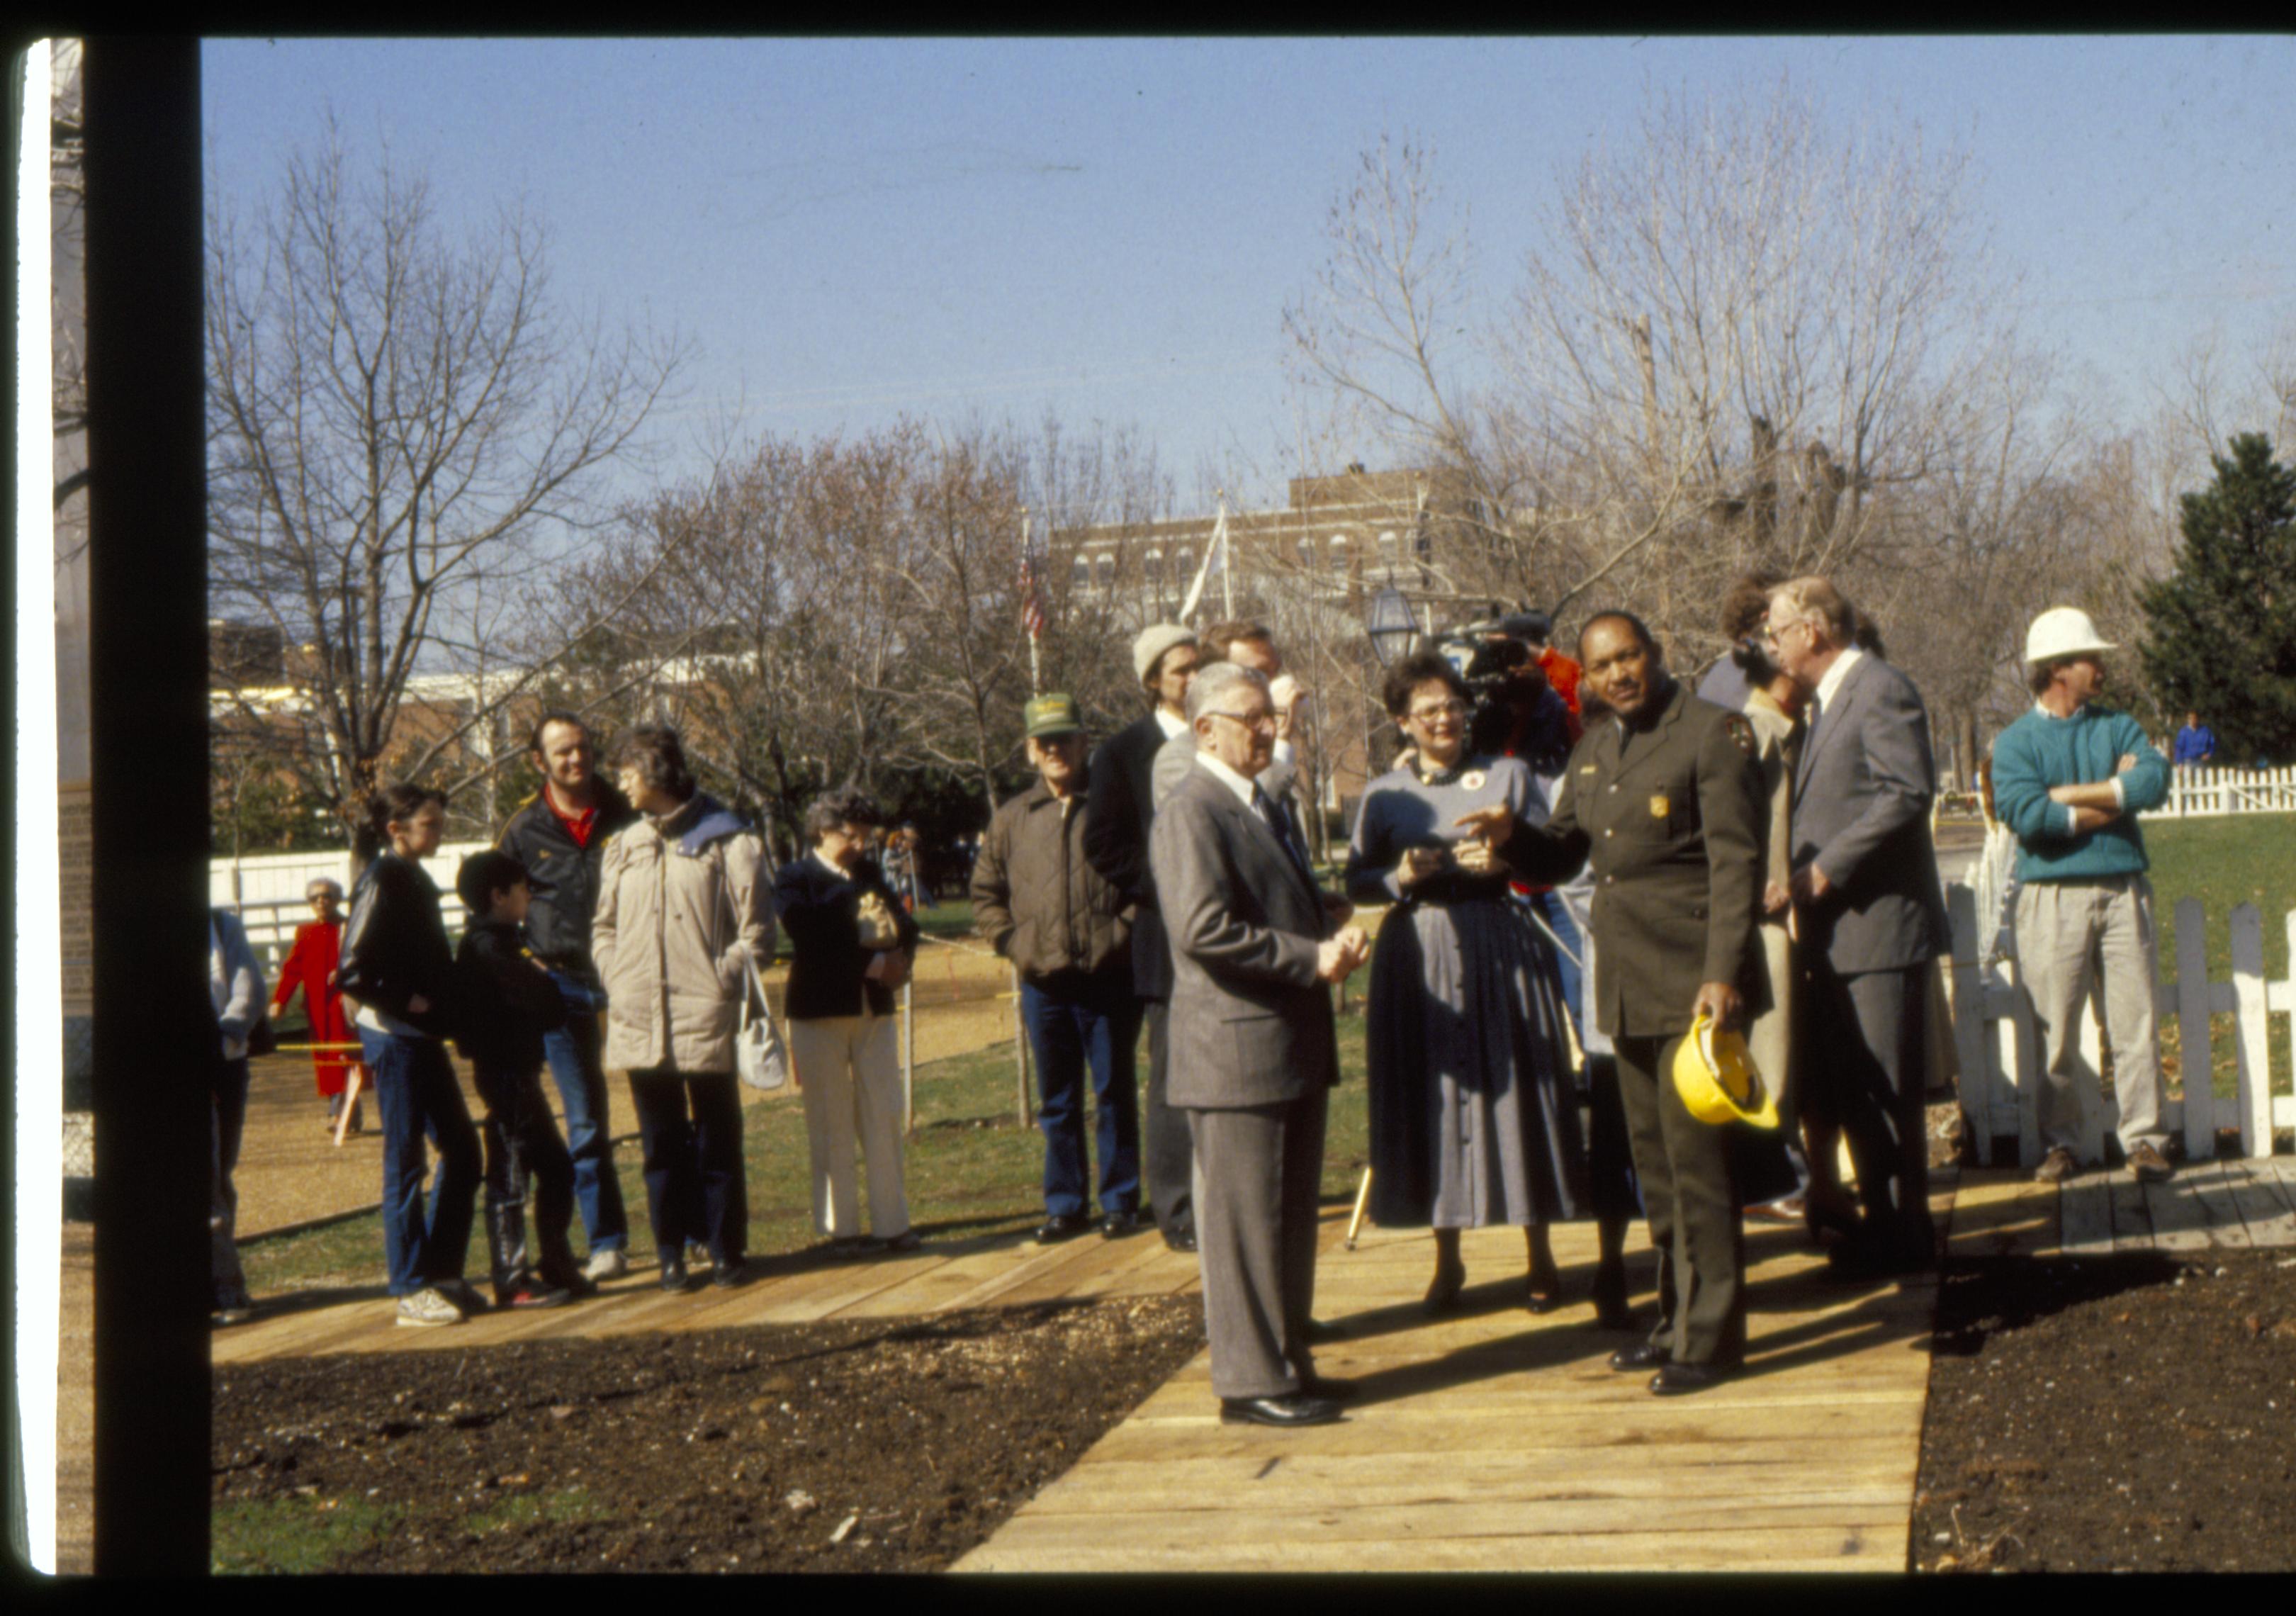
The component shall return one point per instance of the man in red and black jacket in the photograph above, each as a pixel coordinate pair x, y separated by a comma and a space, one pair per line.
559, 835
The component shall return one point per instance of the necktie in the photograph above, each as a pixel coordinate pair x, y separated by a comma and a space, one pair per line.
1279, 822
1810, 718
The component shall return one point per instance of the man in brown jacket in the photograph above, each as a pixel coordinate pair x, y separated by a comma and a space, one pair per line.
1041, 905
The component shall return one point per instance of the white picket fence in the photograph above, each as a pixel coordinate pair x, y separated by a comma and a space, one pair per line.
2194, 793
267, 892
1999, 1044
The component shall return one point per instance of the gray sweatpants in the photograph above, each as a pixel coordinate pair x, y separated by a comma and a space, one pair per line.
2068, 932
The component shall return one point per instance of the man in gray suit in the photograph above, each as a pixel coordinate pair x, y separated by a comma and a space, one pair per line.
1872, 911
1254, 948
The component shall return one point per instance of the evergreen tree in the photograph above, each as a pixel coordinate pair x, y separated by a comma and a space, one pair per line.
2221, 630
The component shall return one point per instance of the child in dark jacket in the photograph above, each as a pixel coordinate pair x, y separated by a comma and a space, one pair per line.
509, 1002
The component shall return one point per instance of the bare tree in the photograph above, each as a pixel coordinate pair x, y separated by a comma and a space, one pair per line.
1733, 340
401, 428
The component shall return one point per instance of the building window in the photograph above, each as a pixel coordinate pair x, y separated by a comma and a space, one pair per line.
1106, 571
1339, 553
1308, 554
1187, 570
1151, 568
1080, 573
1389, 549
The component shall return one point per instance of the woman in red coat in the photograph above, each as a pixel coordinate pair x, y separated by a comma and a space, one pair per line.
310, 965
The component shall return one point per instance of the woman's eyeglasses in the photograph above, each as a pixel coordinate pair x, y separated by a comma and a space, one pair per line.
1452, 709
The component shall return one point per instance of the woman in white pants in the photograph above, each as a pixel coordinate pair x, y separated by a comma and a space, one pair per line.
852, 943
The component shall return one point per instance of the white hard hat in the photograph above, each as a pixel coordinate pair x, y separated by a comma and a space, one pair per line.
2063, 631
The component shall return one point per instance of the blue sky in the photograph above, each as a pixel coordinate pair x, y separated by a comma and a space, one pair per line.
1111, 228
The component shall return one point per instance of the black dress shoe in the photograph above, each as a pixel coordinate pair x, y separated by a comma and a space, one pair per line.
674, 1277
734, 1271
1061, 1226
1317, 1333
1119, 1226
1443, 1293
1180, 1240
1298, 1408
1642, 1355
1674, 1379
1543, 1292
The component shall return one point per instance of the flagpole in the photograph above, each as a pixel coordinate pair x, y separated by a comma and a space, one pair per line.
1227, 560
1036, 660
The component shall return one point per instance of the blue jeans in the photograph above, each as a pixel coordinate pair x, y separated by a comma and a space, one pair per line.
1075, 1020
572, 1052
416, 1091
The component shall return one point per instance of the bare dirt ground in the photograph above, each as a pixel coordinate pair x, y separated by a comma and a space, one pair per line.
882, 1445
2136, 1412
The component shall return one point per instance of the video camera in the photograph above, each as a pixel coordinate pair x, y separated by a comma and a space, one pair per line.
1497, 657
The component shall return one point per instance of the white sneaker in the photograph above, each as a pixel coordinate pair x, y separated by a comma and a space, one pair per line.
611, 1264
428, 1307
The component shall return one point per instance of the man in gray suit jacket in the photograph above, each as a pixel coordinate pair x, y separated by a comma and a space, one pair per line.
1254, 948
1872, 911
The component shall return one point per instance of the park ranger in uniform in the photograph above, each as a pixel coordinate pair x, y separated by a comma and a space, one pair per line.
1665, 799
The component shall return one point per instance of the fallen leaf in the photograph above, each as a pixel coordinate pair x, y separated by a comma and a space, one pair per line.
843, 1527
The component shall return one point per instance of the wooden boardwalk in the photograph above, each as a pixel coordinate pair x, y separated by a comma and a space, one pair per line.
2229, 1203
1497, 1440
1000, 1270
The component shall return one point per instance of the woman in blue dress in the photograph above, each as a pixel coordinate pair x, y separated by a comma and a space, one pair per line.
1473, 1117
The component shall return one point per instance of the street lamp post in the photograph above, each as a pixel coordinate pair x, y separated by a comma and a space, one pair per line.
1390, 625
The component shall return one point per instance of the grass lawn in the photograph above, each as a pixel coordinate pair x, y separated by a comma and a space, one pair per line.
972, 1168
2225, 862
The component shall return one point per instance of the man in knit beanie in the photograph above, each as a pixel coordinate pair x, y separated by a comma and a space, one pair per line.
1120, 805
2070, 778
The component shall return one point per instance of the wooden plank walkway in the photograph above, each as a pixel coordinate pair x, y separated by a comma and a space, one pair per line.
1002, 1270
1495, 1440
2225, 1204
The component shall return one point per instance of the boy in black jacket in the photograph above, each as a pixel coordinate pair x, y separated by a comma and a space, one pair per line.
509, 1002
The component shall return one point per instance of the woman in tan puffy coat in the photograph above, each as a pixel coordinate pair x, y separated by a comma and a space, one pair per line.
680, 913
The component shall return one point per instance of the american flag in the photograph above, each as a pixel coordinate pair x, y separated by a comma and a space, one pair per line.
1032, 600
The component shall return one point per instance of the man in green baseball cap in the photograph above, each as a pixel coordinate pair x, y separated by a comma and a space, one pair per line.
1040, 902
1050, 714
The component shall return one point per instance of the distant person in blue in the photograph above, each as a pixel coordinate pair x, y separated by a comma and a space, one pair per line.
2196, 744
2070, 778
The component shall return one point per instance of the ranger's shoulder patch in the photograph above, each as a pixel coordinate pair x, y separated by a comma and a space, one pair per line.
1740, 732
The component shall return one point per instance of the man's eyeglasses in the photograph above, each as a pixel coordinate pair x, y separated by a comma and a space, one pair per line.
1259, 720
1452, 709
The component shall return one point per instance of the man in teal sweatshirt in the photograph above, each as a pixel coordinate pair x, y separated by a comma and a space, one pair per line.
2070, 778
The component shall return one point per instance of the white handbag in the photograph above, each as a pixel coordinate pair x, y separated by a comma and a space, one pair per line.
760, 1058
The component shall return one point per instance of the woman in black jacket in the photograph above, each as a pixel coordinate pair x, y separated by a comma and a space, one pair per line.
396, 964
852, 943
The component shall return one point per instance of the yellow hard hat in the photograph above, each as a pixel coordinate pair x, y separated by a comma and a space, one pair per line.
1715, 1077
